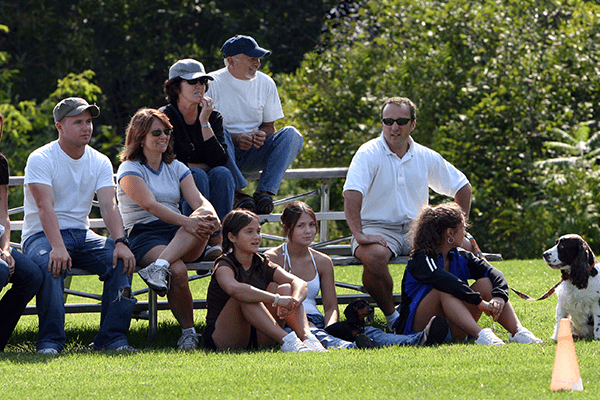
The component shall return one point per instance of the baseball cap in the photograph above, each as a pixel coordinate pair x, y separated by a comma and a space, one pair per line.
73, 106
188, 69
243, 44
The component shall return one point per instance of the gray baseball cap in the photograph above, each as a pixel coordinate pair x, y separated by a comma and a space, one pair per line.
188, 69
73, 106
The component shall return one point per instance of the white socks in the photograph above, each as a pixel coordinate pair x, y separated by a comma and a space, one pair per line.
162, 263
391, 319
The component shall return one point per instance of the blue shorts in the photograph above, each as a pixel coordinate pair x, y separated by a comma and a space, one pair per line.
144, 237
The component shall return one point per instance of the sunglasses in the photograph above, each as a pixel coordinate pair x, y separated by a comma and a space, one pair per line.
203, 81
158, 132
399, 121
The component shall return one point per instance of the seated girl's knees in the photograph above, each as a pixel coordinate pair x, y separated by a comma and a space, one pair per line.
284, 289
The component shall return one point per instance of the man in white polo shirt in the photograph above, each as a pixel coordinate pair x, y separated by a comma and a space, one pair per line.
387, 184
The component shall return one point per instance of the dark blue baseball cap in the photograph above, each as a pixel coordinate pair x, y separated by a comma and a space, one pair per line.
243, 44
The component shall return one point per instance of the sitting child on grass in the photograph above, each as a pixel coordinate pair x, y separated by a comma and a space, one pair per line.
249, 298
435, 282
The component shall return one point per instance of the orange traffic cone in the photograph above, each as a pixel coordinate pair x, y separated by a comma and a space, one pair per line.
565, 375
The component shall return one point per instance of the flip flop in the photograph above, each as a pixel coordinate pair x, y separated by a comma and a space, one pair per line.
264, 203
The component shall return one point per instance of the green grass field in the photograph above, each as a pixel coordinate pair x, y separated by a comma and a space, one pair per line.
457, 370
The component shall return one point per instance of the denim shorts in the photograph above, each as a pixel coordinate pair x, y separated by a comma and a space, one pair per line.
144, 237
317, 320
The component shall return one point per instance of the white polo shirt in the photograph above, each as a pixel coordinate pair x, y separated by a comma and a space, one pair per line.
244, 104
395, 189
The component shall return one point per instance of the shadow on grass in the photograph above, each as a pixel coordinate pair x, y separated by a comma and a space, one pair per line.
80, 339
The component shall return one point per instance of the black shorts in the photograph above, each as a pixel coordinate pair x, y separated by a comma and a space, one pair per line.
209, 343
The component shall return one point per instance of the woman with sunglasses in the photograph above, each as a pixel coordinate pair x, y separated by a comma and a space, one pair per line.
198, 139
150, 185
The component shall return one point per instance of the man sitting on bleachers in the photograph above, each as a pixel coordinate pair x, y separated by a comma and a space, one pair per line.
61, 179
387, 183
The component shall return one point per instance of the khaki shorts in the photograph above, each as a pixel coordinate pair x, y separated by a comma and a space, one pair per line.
396, 236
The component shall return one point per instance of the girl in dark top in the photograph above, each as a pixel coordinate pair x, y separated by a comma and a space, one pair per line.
198, 139
15, 267
249, 298
436, 278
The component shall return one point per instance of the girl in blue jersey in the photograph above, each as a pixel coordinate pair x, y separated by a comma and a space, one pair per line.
436, 278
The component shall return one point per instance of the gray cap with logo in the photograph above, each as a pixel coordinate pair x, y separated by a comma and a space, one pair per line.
73, 106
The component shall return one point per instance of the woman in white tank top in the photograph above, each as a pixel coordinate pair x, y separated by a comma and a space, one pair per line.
296, 256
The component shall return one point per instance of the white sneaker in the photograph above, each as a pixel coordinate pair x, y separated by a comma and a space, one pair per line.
524, 336
156, 278
314, 344
48, 350
126, 349
188, 341
291, 344
487, 337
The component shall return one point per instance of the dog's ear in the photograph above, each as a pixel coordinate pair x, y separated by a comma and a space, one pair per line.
590, 254
350, 312
591, 259
580, 267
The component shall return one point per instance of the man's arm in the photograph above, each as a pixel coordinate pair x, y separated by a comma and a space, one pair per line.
114, 223
463, 199
352, 207
60, 259
268, 128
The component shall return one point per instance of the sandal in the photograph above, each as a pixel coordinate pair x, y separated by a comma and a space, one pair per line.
263, 202
242, 200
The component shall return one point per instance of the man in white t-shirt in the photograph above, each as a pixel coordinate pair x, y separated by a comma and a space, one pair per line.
61, 179
250, 105
387, 184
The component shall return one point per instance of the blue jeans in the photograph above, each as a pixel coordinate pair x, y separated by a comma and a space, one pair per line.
26, 281
217, 185
391, 339
275, 156
93, 253
376, 334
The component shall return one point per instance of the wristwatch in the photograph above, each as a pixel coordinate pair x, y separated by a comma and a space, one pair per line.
123, 240
206, 126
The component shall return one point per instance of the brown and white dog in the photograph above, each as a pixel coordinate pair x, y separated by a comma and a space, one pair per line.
579, 293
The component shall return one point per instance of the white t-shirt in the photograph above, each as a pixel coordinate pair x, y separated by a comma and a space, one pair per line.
165, 185
244, 104
74, 183
395, 189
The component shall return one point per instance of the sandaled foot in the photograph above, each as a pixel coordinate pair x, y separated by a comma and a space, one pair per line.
243, 201
263, 202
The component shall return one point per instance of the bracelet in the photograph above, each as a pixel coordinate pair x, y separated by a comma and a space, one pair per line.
276, 300
206, 126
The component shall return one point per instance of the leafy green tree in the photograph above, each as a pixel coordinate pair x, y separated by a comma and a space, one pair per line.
491, 80
130, 44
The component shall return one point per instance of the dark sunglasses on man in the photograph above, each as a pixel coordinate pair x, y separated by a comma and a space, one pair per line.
399, 121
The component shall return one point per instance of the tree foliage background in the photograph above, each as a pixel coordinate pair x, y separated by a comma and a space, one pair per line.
494, 81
